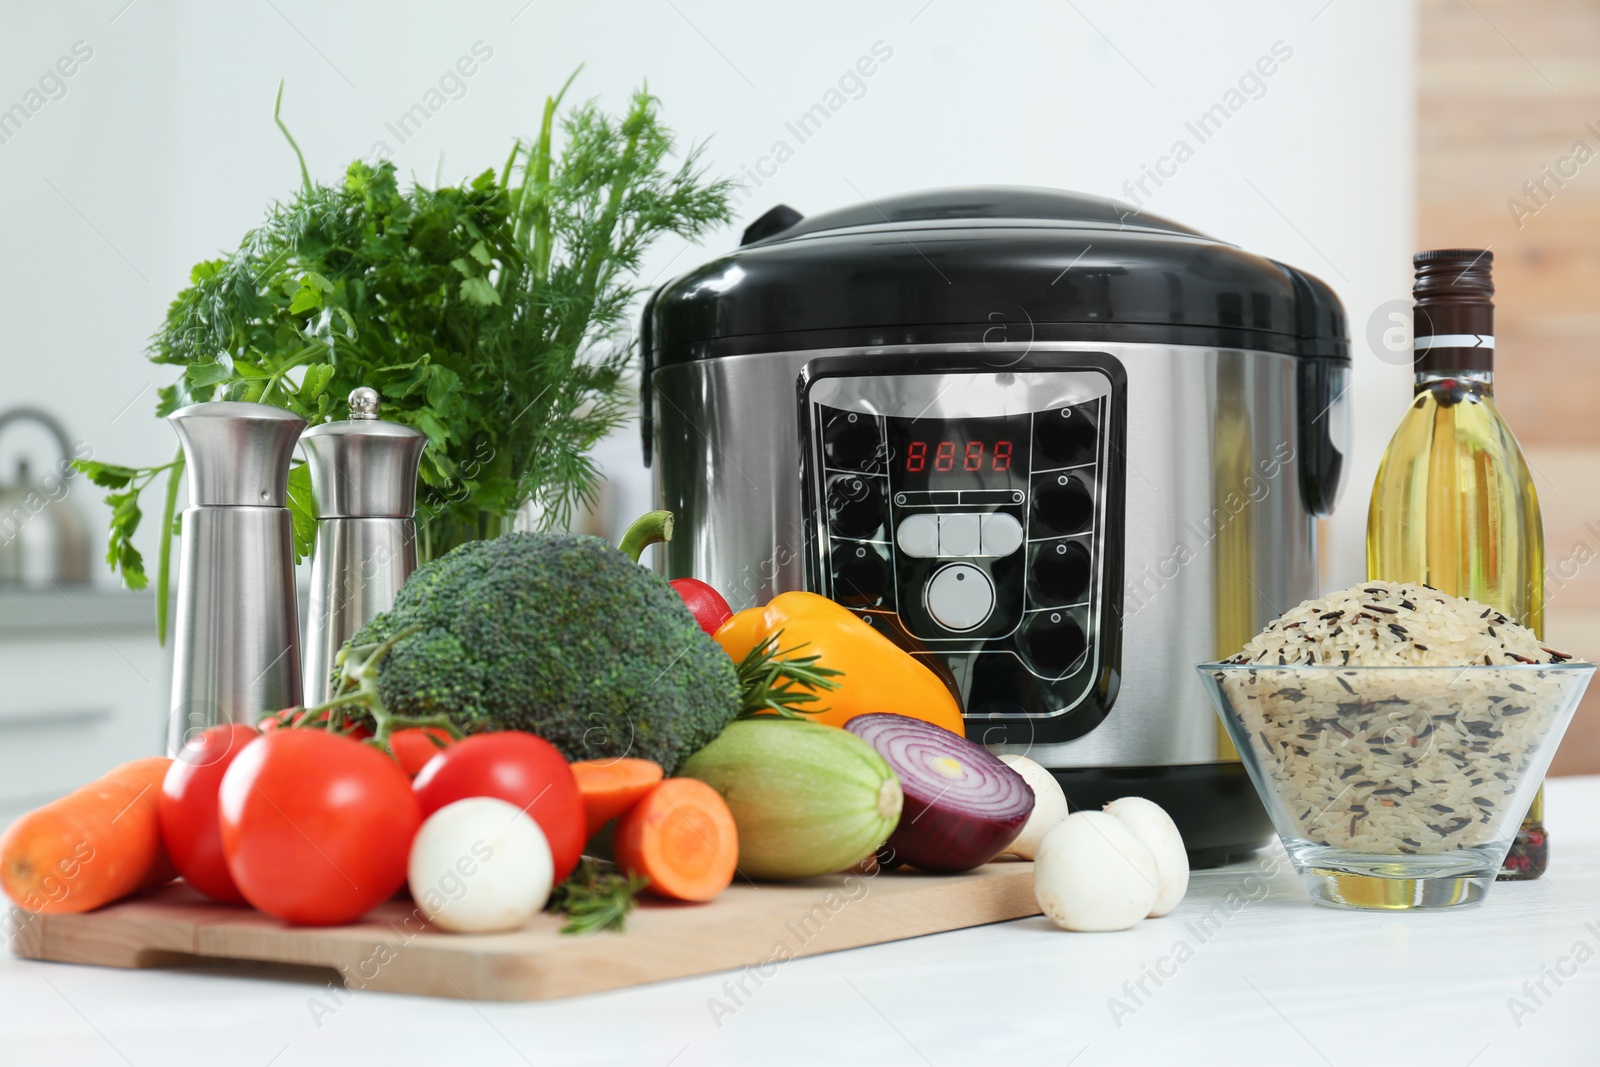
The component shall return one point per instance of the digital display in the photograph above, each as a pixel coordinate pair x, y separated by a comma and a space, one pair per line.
971, 455
930, 454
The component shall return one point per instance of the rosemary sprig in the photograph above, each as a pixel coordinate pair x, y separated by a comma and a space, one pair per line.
595, 899
772, 680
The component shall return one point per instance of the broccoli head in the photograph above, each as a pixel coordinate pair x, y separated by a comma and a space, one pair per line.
560, 635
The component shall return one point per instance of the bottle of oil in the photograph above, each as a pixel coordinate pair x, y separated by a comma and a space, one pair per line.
1453, 505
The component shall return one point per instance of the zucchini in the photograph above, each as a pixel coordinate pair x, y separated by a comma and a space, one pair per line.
807, 799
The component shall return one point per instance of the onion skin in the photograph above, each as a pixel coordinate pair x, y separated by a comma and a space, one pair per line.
945, 842
935, 833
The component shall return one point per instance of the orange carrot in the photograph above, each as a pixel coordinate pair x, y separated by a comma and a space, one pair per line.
612, 786
92, 846
681, 836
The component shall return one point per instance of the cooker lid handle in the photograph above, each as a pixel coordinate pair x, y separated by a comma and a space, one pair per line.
774, 222
1324, 432
647, 369
1323, 400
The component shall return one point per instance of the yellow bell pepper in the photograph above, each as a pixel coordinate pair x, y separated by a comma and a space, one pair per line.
877, 674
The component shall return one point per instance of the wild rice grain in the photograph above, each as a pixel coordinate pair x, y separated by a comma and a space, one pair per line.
1407, 749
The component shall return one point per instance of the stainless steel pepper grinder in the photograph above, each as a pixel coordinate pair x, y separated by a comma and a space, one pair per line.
364, 494
236, 653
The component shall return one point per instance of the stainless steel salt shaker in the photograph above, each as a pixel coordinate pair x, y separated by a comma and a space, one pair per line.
236, 652
364, 494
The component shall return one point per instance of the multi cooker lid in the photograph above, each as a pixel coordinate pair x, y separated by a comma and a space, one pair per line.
959, 264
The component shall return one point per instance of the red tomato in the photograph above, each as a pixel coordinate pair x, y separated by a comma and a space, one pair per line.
316, 827
188, 809
704, 603
275, 720
412, 748
519, 768
297, 717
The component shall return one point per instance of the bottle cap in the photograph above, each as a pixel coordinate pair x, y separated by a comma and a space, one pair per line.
1453, 320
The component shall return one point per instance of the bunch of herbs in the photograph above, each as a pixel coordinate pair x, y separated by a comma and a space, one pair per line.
489, 315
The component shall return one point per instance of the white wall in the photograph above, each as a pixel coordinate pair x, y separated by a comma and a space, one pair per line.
162, 151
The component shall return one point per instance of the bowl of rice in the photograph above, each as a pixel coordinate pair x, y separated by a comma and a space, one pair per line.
1396, 735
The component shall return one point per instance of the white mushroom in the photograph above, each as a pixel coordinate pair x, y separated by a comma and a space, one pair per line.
1049, 806
1155, 828
480, 865
1092, 873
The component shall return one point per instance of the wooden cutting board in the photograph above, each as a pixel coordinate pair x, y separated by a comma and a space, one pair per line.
394, 950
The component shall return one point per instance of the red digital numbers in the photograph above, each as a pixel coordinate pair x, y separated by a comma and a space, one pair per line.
944, 456
916, 456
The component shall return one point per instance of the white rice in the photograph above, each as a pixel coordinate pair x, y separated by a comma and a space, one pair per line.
1397, 762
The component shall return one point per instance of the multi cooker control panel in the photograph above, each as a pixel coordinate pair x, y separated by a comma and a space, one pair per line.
975, 516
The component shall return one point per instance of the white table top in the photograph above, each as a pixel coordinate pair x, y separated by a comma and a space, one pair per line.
1278, 981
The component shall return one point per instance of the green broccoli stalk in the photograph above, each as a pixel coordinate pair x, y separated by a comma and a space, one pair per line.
358, 678
652, 528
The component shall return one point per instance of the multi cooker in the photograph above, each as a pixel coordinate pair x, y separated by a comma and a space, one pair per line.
1059, 449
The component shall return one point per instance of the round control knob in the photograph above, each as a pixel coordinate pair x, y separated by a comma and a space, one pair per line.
860, 575
1066, 438
855, 506
851, 442
959, 597
1061, 573
1063, 505
1053, 643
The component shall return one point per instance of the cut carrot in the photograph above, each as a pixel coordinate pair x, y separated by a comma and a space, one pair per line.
92, 846
681, 836
612, 786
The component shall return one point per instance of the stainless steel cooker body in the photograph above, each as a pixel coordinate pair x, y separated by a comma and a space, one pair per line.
1214, 538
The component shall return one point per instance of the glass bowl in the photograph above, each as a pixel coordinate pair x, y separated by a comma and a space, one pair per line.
1396, 787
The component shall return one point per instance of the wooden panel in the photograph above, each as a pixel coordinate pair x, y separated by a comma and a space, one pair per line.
1568, 480
1579, 631
1461, 40
395, 951
1505, 87
1568, 221
1492, 172
1528, 118
1547, 391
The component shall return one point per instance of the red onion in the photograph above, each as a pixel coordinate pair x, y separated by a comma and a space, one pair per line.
962, 805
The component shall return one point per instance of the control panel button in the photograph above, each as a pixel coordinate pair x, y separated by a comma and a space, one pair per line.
851, 441
958, 534
1053, 643
918, 535
999, 534
1064, 438
1061, 572
860, 575
959, 597
1062, 504
855, 505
